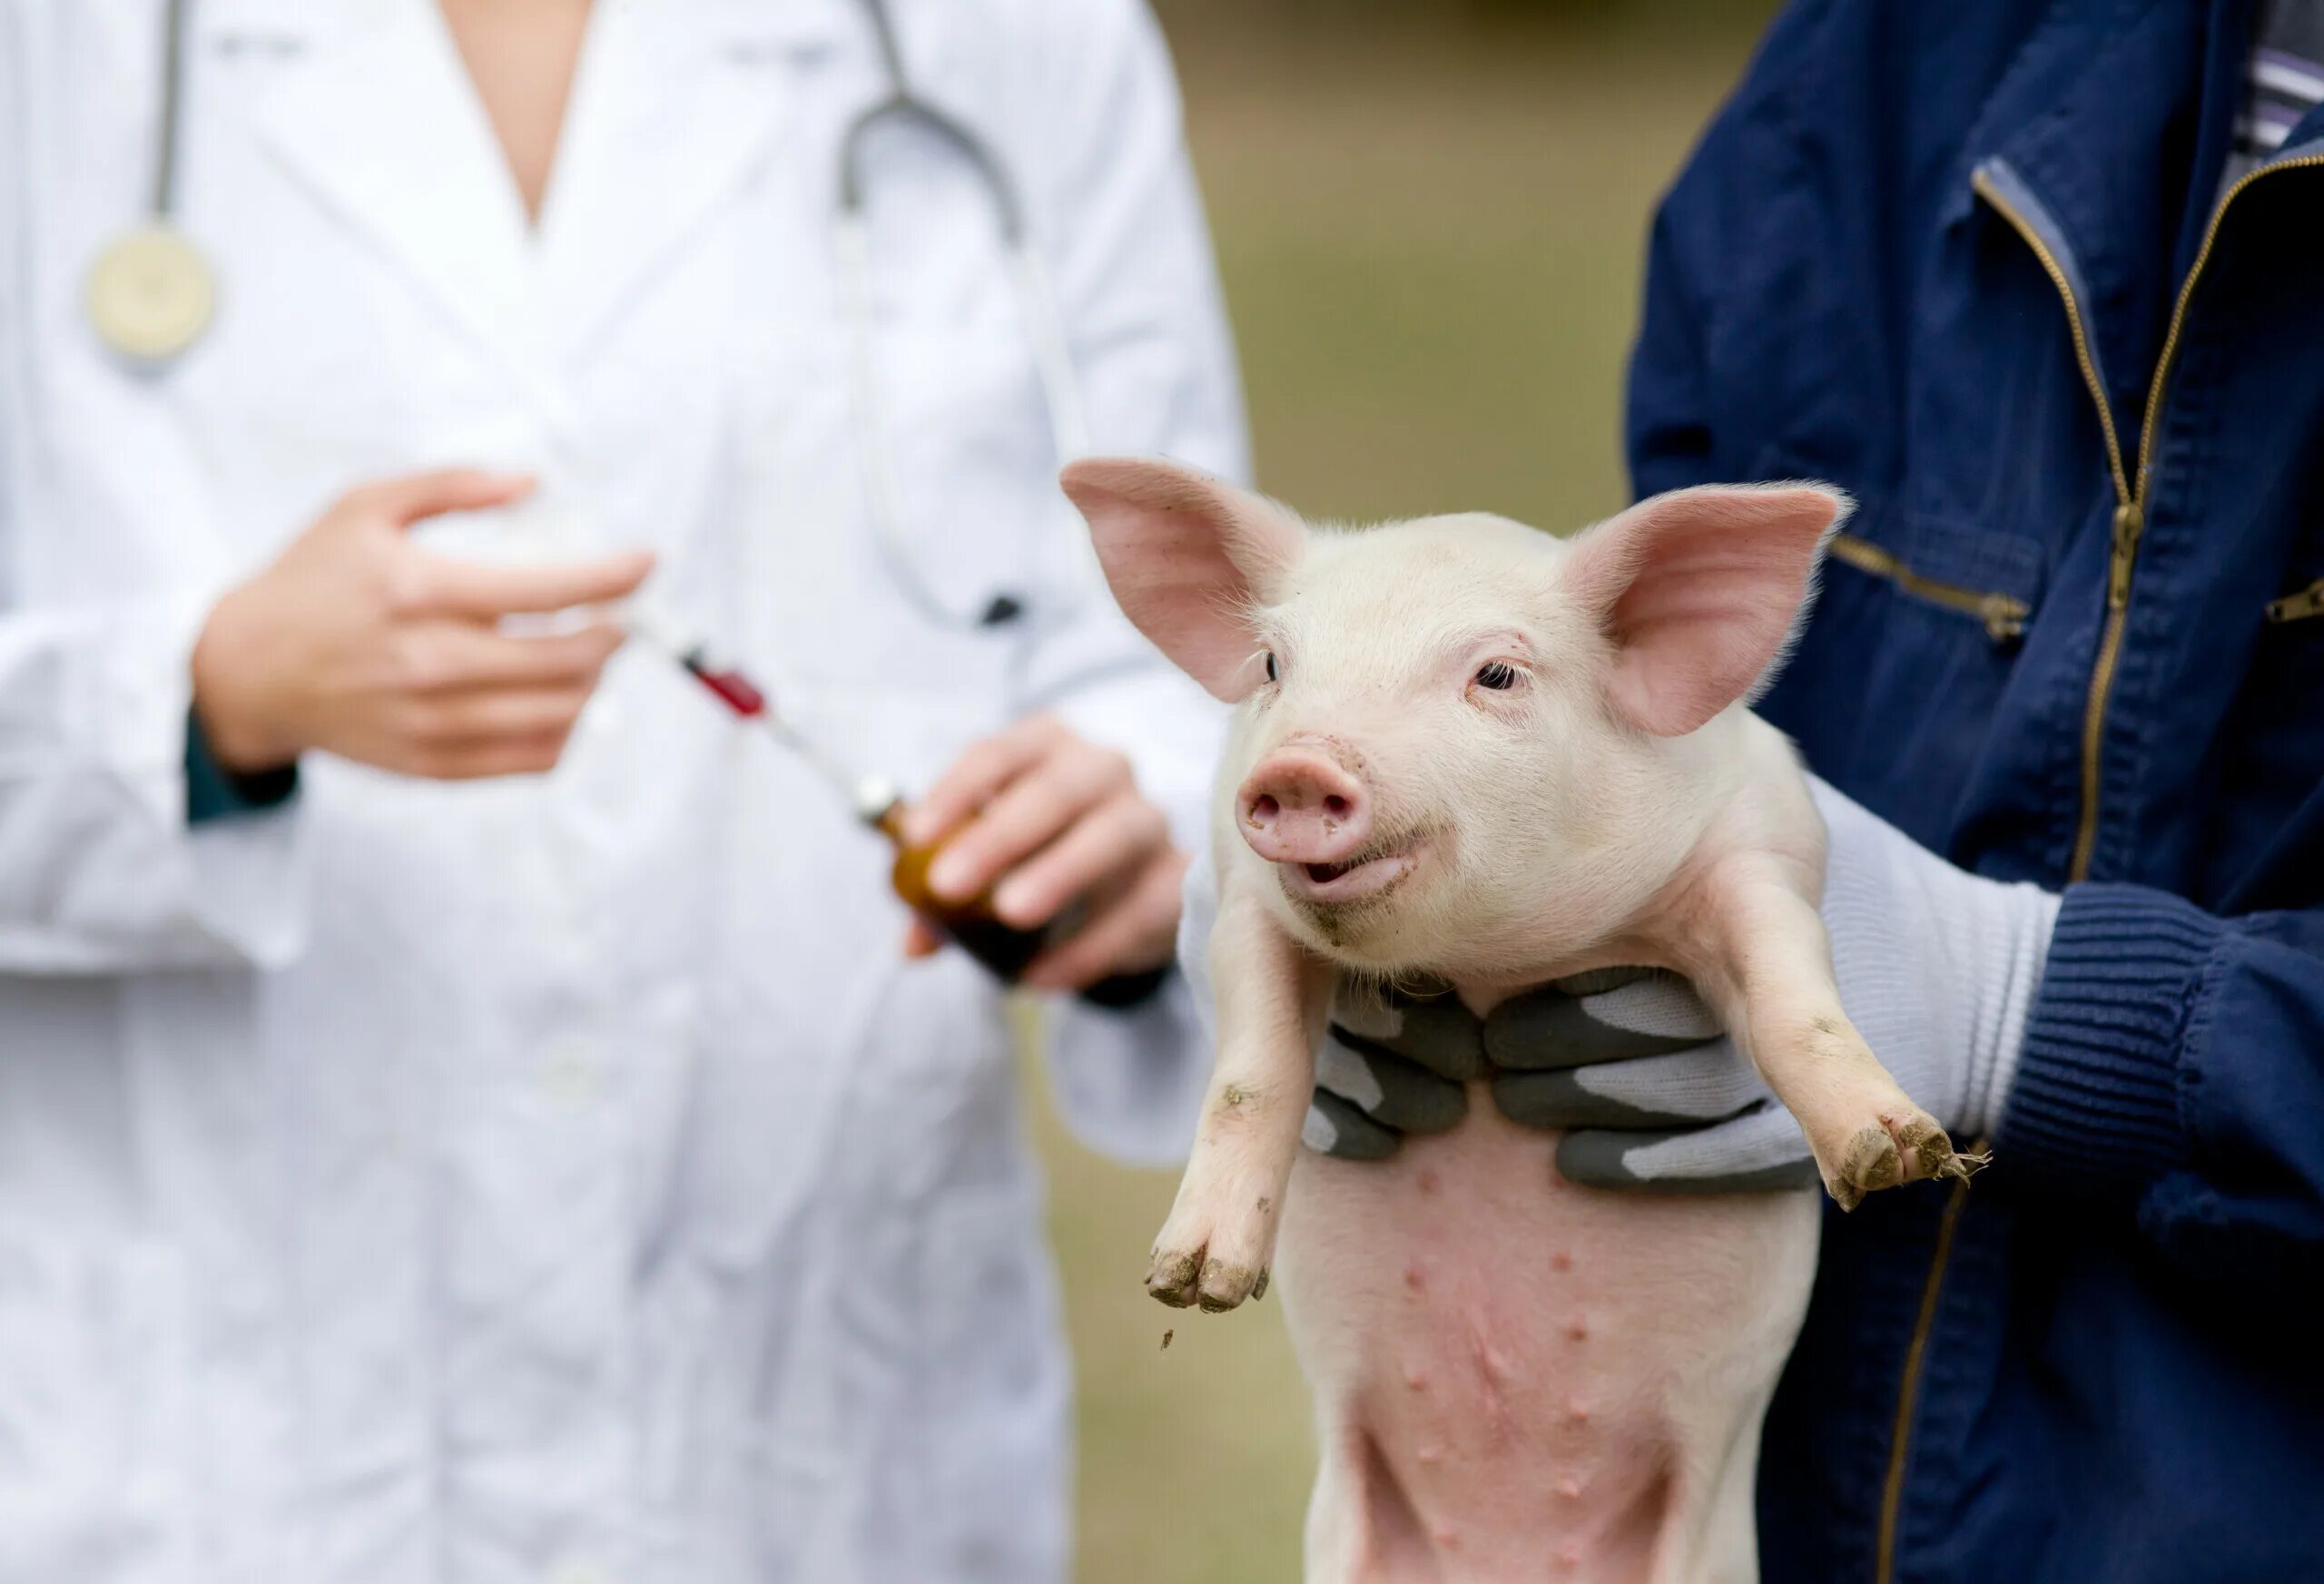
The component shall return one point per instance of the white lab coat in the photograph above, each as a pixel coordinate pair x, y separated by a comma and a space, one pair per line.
563, 1179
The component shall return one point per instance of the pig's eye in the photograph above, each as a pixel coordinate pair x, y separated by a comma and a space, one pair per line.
1497, 674
1273, 673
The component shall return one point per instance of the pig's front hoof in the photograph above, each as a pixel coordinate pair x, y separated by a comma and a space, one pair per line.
1899, 1150
1224, 1286
1929, 1152
1184, 1281
1870, 1163
1175, 1279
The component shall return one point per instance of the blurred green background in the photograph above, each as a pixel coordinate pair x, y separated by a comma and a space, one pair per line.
1430, 216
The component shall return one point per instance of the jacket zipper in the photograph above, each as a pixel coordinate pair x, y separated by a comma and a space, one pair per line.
2131, 502
2004, 616
2299, 607
2130, 520
1891, 1488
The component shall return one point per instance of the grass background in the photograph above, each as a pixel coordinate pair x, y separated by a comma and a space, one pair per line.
1431, 222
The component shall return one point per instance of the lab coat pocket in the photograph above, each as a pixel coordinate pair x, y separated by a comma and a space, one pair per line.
995, 1388
94, 1378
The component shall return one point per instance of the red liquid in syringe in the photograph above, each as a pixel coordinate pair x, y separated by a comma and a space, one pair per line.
733, 688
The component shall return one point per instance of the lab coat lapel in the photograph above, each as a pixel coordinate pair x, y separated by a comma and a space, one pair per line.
673, 107
379, 119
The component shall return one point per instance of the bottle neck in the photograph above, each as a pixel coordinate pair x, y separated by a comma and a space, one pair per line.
881, 805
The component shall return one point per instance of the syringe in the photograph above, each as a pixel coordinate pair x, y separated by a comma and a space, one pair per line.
973, 926
873, 799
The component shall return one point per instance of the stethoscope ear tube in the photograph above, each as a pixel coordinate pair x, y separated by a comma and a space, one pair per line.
166, 153
1043, 326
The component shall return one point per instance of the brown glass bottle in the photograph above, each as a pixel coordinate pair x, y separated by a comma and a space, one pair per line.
972, 926
1005, 950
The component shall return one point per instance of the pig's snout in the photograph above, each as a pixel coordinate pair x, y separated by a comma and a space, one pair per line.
1298, 807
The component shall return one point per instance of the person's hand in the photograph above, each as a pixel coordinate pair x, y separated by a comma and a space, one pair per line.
357, 642
1623, 1058
1046, 822
1938, 969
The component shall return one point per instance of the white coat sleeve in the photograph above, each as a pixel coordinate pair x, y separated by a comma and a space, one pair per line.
1122, 231
99, 869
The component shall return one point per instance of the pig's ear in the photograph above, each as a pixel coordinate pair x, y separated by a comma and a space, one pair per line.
1702, 591
1187, 556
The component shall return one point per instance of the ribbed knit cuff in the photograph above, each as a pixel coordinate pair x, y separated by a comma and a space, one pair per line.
2094, 1108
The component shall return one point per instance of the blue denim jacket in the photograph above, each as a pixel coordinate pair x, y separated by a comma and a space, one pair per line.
1969, 261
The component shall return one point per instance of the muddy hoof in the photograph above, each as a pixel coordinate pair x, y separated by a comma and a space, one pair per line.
1931, 1152
1225, 1287
1174, 1278
1870, 1163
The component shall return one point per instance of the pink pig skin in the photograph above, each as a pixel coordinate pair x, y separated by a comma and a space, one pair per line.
1467, 752
1515, 1378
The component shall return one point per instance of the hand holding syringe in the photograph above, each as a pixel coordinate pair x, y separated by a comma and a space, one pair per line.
973, 925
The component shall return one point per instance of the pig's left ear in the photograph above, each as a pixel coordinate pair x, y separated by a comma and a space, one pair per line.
1701, 591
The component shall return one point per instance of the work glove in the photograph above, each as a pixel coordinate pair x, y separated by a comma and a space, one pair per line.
1938, 969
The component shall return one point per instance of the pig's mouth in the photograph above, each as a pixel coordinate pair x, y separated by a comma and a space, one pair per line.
1365, 875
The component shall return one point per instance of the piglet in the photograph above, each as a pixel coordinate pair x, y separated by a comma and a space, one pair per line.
1467, 753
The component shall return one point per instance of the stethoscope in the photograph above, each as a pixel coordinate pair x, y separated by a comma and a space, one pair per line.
152, 292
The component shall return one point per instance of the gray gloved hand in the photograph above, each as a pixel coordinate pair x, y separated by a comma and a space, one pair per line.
1637, 1062
1393, 1063
1623, 1049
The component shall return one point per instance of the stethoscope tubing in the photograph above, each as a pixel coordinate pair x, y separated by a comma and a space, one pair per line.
165, 154
1037, 315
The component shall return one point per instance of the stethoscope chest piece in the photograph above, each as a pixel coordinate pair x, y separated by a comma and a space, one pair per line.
151, 293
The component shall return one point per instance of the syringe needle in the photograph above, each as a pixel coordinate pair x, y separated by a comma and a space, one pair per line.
862, 792
868, 797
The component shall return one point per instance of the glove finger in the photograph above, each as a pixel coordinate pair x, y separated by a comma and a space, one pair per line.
1338, 1129
1701, 1084
1649, 1013
1761, 1149
1437, 1031
1393, 1092
1698, 1085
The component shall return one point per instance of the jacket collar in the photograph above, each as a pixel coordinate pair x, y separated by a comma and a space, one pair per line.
2095, 137
674, 101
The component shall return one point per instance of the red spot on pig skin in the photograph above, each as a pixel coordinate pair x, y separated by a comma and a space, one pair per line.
1578, 1329
1577, 1413
1428, 1179
1561, 1261
1449, 1538
1569, 1486
1570, 1554
1415, 1278
1416, 1378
